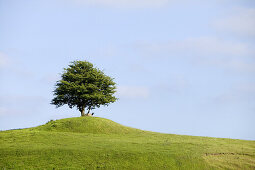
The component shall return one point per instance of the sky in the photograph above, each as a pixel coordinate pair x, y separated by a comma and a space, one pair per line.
181, 67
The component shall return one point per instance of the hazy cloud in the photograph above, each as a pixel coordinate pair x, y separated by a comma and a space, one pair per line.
126, 3
133, 91
18, 104
11, 111
240, 93
240, 65
176, 85
3, 60
50, 78
143, 3
202, 46
205, 51
15, 66
20, 99
3, 110
240, 21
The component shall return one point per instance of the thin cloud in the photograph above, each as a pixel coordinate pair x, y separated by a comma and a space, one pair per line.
3, 60
14, 66
50, 78
133, 92
126, 3
201, 46
241, 65
18, 104
238, 94
240, 22
205, 51
21, 99
3, 111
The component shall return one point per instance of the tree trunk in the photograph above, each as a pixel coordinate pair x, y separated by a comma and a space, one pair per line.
89, 110
83, 111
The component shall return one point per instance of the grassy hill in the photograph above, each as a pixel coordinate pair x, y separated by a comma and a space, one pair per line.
92, 143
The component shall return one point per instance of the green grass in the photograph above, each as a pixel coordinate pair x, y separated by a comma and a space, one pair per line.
92, 143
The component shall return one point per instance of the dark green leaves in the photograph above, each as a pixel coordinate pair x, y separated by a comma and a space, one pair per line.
84, 86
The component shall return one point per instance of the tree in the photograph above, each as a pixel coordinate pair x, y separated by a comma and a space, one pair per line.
85, 87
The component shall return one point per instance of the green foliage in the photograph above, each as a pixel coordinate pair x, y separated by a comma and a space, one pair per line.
55, 145
84, 86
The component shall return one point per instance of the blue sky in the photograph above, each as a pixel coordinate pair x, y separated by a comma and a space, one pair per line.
182, 67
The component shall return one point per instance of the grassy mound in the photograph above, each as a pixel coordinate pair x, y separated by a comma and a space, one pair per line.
97, 143
87, 124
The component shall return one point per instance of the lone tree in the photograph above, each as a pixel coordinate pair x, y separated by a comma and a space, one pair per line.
85, 87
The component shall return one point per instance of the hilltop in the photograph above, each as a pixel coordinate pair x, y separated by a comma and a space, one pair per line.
87, 124
93, 142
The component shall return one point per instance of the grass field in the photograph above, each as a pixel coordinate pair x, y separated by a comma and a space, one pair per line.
92, 143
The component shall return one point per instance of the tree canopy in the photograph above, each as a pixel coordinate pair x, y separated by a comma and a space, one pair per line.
85, 87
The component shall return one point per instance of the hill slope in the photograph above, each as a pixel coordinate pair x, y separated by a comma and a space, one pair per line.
91, 143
